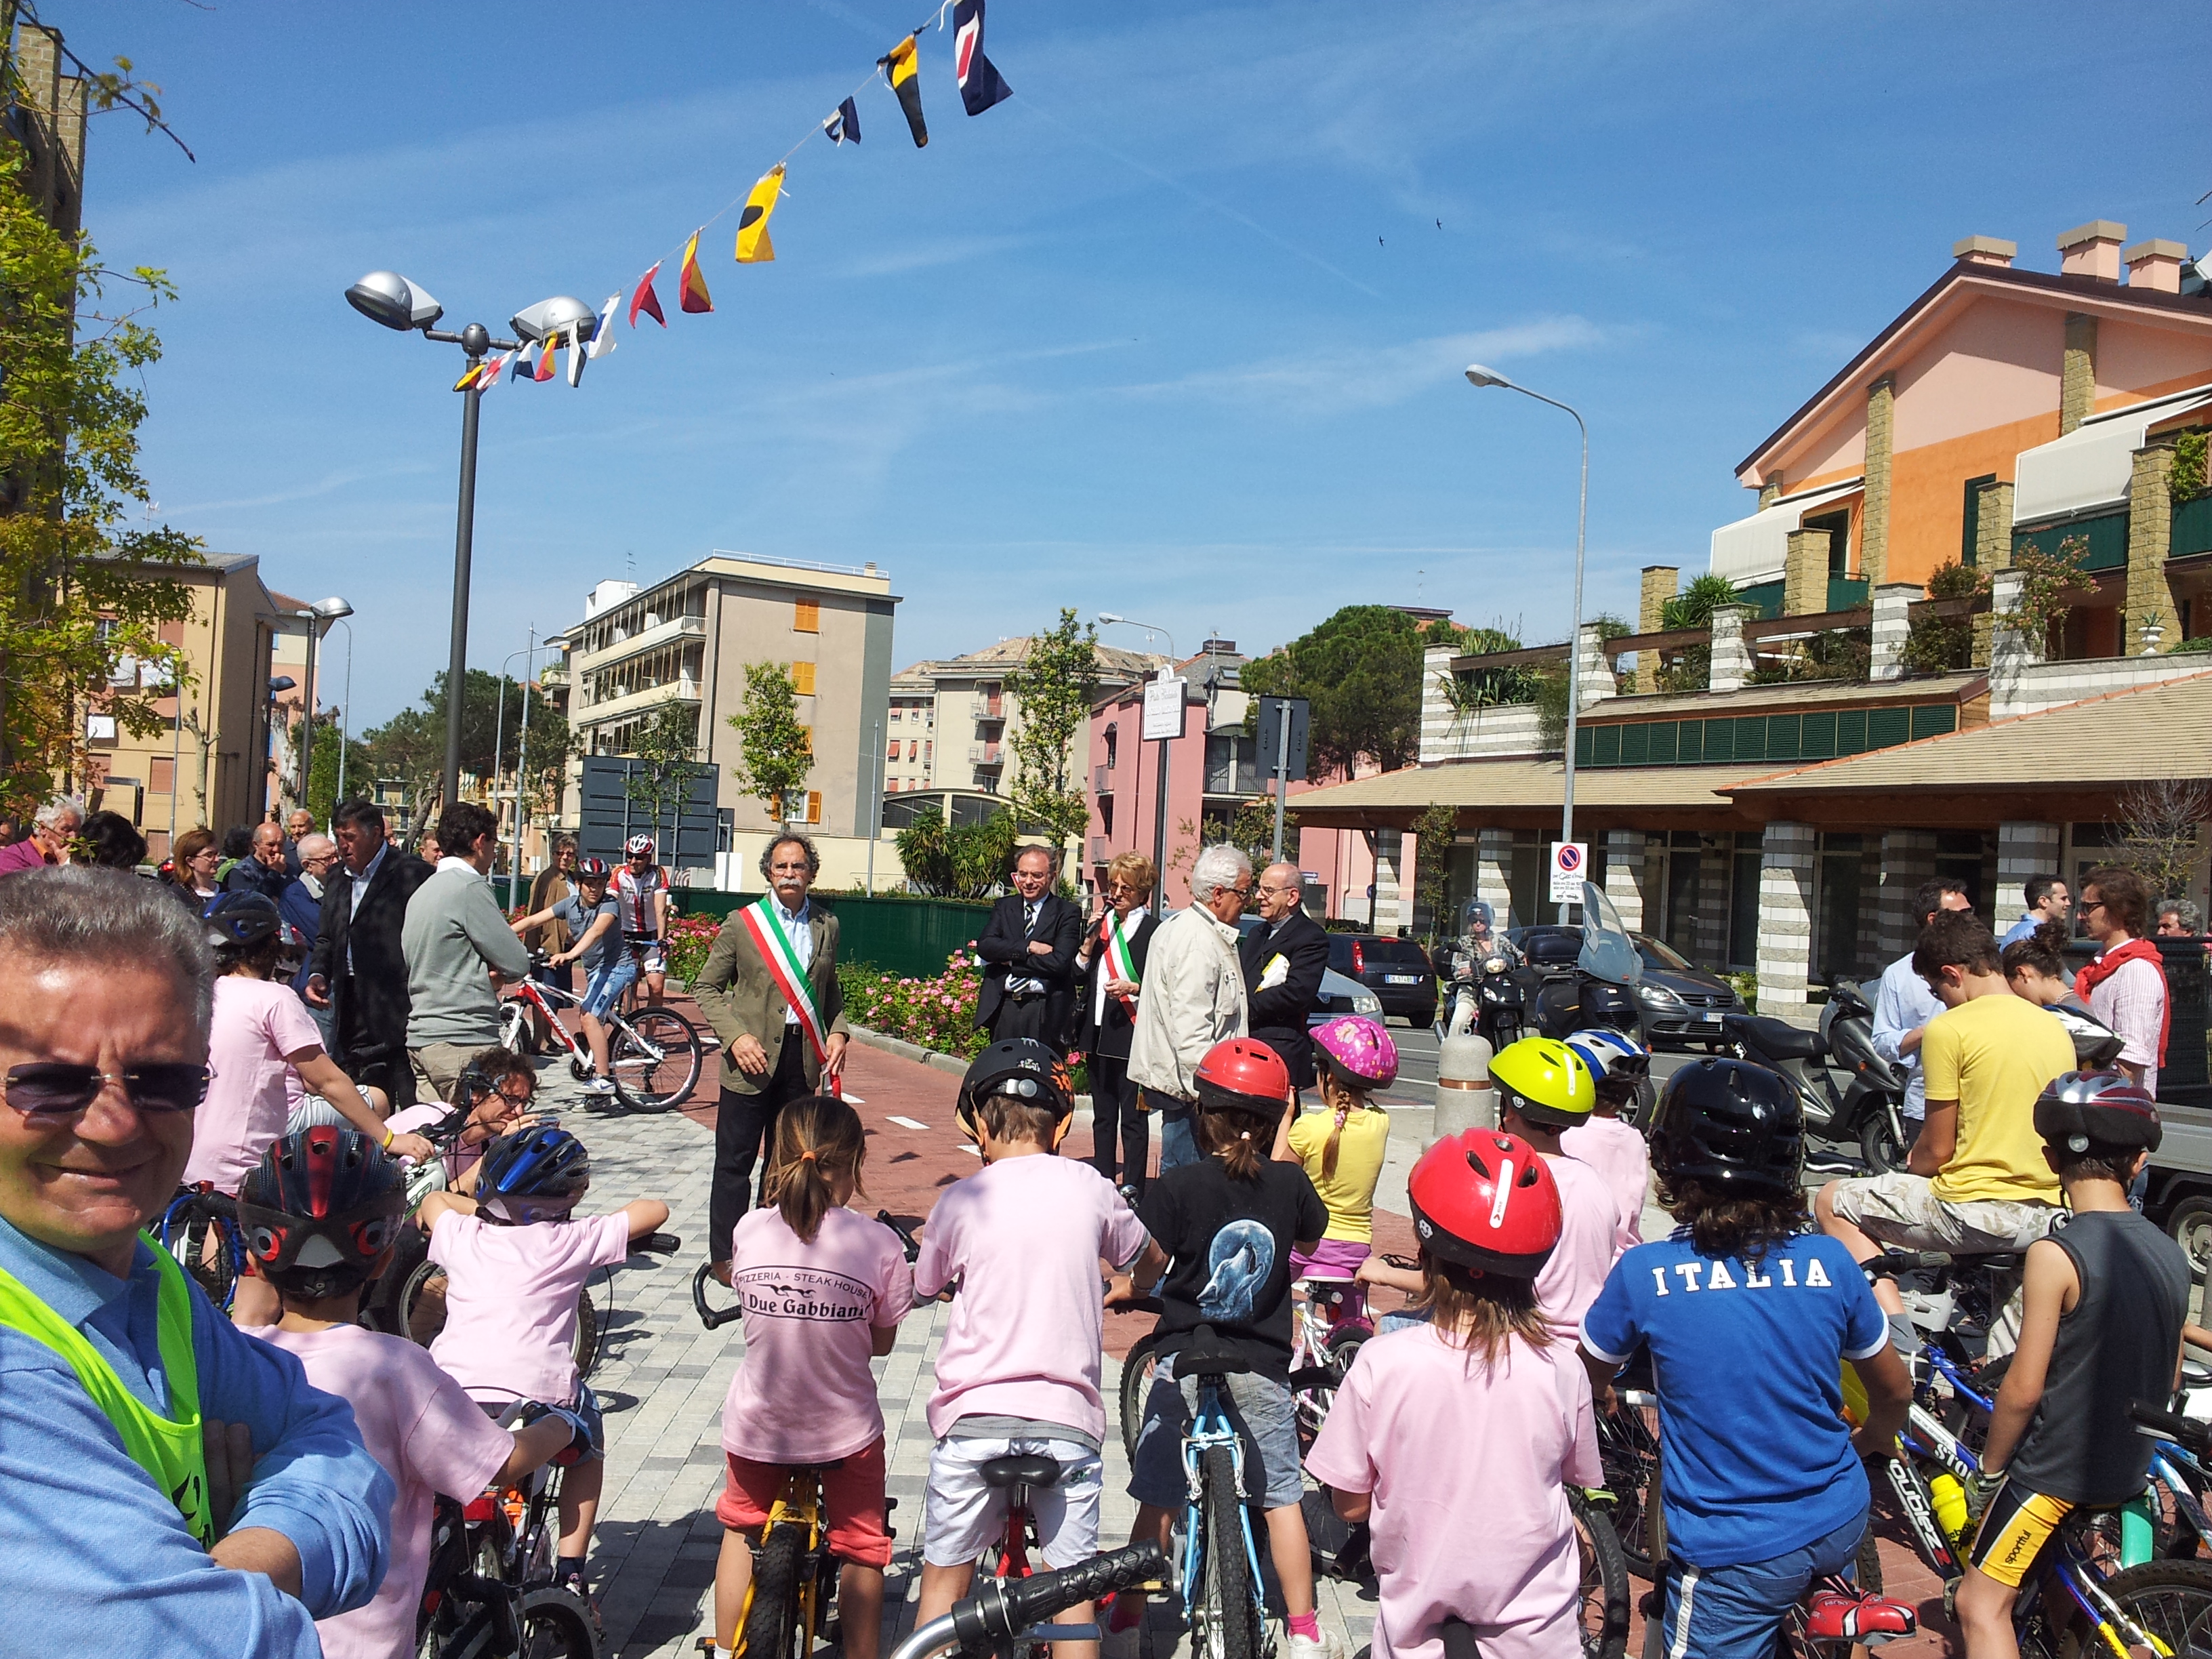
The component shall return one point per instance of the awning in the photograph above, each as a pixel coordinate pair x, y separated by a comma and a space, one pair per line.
2091, 465
1757, 549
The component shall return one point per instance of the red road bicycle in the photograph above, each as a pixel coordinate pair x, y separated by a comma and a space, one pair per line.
654, 1055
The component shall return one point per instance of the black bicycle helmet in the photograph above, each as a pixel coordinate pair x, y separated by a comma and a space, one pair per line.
2080, 1110
320, 1212
1730, 1125
241, 921
536, 1174
1020, 1068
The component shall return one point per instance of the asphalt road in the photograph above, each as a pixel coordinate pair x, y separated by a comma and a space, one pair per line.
1417, 1062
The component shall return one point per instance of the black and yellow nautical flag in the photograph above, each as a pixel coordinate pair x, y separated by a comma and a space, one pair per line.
902, 68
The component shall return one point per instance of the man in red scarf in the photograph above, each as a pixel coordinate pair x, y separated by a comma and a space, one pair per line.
2126, 984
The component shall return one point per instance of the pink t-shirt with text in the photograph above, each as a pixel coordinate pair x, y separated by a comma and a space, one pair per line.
1024, 1237
1617, 1152
1468, 1466
430, 1436
257, 1022
510, 1301
804, 1393
1589, 1219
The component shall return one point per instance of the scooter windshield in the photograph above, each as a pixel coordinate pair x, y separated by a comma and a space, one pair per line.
1608, 953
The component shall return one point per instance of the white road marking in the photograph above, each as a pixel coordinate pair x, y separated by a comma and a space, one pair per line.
903, 1122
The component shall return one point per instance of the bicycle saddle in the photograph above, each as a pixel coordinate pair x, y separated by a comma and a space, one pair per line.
1206, 1357
1777, 1039
1024, 1469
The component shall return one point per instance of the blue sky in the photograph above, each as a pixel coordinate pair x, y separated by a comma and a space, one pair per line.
1175, 332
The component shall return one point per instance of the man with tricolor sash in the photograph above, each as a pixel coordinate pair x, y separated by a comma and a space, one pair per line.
769, 989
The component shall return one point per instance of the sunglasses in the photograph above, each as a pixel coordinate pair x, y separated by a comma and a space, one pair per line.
54, 1089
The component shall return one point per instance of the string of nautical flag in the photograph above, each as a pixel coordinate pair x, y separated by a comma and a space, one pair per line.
981, 86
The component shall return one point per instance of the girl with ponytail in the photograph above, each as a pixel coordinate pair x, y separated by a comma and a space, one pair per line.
1342, 1145
824, 1289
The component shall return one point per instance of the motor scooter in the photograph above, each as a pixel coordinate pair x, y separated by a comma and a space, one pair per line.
1865, 1108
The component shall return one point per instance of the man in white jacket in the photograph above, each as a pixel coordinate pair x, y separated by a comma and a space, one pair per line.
1193, 998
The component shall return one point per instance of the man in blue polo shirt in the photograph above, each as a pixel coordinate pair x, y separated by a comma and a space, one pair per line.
168, 1484
1749, 1319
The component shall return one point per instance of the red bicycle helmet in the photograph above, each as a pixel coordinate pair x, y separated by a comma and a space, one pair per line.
321, 1210
592, 870
2080, 1109
1242, 1075
1486, 1199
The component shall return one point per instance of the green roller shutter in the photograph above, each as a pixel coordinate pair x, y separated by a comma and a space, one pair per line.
1851, 730
1847, 592
1818, 740
1583, 736
2192, 527
1782, 737
1666, 742
1888, 727
1692, 749
2106, 536
1720, 741
1607, 749
1635, 744
1750, 738
1933, 719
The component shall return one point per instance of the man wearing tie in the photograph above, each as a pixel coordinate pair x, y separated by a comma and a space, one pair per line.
1283, 959
1030, 948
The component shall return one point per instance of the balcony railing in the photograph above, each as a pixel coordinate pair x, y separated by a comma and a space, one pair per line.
1101, 780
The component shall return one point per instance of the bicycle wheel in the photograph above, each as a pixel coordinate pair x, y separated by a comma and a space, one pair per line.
1227, 1626
1136, 1386
772, 1629
1310, 1406
517, 1031
422, 1304
1628, 1449
2171, 1599
1605, 1592
587, 1331
655, 1060
556, 1625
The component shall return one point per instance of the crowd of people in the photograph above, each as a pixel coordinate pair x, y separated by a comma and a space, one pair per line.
182, 1482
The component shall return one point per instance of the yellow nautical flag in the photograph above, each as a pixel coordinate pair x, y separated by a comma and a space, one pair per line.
902, 68
753, 245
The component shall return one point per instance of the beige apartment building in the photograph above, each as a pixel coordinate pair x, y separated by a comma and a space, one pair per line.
690, 638
949, 721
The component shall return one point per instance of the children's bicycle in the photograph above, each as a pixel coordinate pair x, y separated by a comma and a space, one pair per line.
1331, 1326
654, 1055
1001, 1616
1219, 1573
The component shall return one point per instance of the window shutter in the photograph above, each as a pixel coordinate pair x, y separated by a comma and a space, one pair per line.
814, 807
807, 616
802, 679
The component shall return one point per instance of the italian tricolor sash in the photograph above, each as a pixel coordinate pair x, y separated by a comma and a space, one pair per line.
1118, 959
783, 964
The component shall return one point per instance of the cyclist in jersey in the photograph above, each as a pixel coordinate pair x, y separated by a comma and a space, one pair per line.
641, 890
121, 1533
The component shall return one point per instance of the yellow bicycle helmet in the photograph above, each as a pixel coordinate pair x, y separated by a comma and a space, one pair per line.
1546, 1081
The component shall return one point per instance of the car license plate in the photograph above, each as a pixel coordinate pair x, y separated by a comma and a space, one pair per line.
1402, 979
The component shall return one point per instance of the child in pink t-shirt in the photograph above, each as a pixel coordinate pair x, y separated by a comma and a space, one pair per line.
515, 1262
1614, 1148
1456, 1439
332, 1186
1020, 1369
823, 1291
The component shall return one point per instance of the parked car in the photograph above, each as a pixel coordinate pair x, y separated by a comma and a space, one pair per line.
1682, 1004
1396, 971
1338, 995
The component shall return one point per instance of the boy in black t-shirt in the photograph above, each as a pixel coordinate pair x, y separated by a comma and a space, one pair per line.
1230, 1222
2105, 1299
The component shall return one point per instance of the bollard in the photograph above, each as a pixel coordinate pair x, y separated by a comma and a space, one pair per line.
1465, 1099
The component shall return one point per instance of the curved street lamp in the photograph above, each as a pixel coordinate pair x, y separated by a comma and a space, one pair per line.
388, 298
319, 616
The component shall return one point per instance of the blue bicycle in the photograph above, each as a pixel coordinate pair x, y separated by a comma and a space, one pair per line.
1219, 1559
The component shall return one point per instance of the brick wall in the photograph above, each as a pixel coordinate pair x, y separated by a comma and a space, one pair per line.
1874, 522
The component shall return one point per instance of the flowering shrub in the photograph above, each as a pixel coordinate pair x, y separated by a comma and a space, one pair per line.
938, 1014
689, 939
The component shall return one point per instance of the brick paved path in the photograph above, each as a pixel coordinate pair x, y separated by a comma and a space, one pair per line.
662, 1377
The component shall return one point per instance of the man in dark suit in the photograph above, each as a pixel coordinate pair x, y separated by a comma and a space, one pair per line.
1283, 959
359, 969
1030, 945
1109, 1016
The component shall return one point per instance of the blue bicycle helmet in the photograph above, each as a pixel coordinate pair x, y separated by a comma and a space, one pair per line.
533, 1175
1605, 1051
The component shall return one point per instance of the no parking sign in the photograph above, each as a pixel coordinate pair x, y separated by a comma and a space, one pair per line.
1569, 863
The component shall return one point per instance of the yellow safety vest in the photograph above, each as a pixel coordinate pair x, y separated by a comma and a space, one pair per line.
169, 1449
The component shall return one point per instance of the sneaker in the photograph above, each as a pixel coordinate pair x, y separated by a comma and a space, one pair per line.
576, 1584
1833, 1616
1305, 1647
598, 1085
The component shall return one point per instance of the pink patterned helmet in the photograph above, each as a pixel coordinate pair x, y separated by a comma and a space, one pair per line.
1358, 1051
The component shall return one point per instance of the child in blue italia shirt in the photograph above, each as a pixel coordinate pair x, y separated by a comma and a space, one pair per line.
1749, 1319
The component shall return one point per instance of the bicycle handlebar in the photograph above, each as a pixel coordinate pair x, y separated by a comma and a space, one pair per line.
2192, 1436
215, 1204
912, 1244
1005, 1607
657, 1244
712, 1317
1902, 1261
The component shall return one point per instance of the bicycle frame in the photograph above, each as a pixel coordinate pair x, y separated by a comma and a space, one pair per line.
1210, 1427
800, 1506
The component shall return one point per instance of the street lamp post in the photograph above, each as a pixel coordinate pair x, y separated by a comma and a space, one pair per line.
521, 768
323, 611
386, 297
1477, 375
1160, 790
499, 723
345, 707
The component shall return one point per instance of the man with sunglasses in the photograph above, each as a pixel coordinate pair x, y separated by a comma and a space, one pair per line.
168, 1484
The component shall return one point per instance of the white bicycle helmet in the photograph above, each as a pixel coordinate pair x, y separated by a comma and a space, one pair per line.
1605, 1050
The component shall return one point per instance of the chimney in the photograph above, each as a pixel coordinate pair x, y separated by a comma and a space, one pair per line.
2155, 265
1985, 251
2093, 250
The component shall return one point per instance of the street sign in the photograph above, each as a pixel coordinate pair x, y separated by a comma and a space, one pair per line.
1269, 741
1569, 864
685, 834
1164, 709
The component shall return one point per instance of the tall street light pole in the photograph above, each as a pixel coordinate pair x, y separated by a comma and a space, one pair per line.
521, 771
1477, 375
319, 615
386, 297
499, 729
1160, 790
345, 708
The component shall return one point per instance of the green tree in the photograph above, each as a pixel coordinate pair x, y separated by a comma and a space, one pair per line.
1435, 831
1361, 671
411, 746
323, 768
1055, 683
80, 589
663, 748
776, 753
962, 861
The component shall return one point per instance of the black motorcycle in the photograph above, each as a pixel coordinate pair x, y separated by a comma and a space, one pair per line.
1865, 1108
1567, 982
